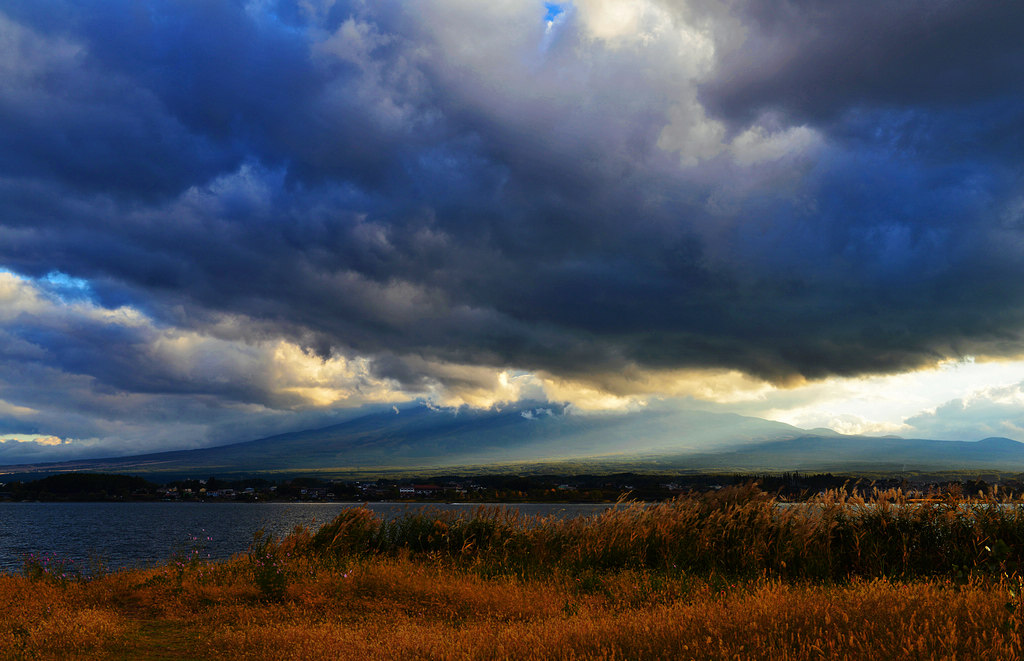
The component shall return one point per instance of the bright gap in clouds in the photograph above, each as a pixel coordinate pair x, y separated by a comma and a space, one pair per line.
67, 288
956, 400
553, 10
33, 438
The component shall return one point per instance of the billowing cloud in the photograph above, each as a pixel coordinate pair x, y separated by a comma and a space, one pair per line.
820, 60
996, 411
299, 206
114, 379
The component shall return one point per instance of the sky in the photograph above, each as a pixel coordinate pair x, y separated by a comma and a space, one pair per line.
225, 219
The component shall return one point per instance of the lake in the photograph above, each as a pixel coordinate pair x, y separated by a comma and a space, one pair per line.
135, 534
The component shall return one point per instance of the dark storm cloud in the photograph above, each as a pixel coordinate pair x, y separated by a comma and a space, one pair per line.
817, 60
450, 183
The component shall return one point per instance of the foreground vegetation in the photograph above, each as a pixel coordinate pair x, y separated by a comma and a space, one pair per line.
725, 575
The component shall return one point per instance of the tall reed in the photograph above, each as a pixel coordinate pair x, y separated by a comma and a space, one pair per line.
740, 531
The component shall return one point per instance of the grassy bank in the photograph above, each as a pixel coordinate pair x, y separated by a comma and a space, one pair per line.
721, 576
739, 531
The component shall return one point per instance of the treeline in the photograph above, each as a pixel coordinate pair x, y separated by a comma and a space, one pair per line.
93, 487
485, 488
80, 487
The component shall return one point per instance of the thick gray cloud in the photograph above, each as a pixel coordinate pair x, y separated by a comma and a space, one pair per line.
819, 60
793, 190
993, 411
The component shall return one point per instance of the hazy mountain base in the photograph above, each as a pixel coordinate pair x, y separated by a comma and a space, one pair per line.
566, 470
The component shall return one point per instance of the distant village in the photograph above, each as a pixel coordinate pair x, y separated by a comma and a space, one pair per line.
482, 488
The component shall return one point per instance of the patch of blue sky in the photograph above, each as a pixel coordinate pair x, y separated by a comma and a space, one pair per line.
67, 288
554, 17
553, 9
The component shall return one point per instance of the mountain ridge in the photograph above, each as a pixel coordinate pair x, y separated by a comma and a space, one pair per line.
423, 437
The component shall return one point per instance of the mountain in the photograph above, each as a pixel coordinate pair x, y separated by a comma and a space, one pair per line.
863, 453
420, 437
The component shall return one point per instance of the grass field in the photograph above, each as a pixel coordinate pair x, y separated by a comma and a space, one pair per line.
729, 575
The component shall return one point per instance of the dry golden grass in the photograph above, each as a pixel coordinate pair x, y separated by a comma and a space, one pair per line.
736, 531
407, 609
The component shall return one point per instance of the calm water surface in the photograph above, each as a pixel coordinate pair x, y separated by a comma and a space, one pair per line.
143, 534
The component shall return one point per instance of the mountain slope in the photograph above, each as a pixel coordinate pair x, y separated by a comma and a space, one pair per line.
847, 453
420, 437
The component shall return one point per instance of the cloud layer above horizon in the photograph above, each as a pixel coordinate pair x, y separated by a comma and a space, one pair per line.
224, 210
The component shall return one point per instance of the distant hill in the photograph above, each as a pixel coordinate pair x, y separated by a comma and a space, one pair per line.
419, 437
863, 453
